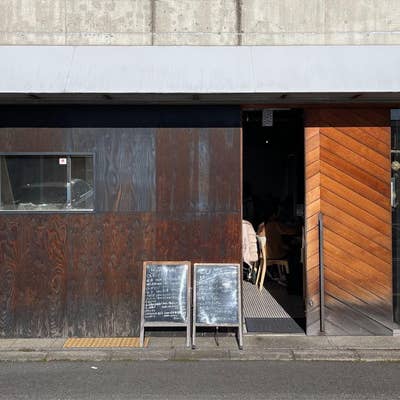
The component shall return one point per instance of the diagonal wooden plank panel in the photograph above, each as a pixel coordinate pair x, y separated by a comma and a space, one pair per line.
310, 133
353, 158
314, 207
313, 242
313, 182
352, 170
360, 277
357, 251
313, 142
313, 195
356, 225
359, 134
358, 239
313, 274
353, 145
357, 277
352, 196
312, 156
351, 323
355, 294
312, 169
357, 176
355, 211
312, 261
363, 188
311, 222
356, 263
363, 314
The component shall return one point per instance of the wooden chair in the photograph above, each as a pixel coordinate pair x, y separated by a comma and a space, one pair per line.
262, 263
266, 262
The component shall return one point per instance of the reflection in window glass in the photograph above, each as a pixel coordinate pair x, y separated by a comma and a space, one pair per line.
46, 183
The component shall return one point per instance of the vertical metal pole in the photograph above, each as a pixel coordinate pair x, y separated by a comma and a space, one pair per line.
142, 320
240, 308
321, 272
194, 308
188, 303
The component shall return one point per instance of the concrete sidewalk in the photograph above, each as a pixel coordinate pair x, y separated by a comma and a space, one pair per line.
287, 348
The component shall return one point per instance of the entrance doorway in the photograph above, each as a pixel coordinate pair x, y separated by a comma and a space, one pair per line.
273, 205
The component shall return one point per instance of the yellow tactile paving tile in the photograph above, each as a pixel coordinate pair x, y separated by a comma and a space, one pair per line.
104, 342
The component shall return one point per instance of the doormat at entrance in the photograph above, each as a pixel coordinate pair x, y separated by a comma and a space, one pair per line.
104, 342
272, 325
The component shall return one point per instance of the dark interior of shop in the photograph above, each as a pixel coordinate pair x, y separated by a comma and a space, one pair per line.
273, 202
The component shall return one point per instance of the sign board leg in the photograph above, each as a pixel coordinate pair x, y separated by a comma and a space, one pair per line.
142, 336
188, 336
240, 337
189, 312
194, 336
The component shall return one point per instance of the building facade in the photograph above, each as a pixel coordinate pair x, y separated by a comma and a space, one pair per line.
144, 102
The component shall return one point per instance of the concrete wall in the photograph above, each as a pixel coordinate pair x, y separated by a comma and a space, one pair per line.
199, 22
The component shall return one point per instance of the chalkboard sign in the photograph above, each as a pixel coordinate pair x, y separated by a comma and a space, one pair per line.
217, 297
165, 295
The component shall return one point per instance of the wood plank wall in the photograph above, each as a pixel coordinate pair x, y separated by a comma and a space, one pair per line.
348, 180
161, 194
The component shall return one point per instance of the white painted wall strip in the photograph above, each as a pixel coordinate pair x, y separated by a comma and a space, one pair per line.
251, 69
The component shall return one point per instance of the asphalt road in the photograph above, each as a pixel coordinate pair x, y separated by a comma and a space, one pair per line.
199, 380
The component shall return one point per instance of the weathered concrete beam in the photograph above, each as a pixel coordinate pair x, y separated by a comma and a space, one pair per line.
199, 22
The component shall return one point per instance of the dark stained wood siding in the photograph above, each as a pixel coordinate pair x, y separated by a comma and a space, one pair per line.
33, 273
348, 180
194, 176
161, 194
